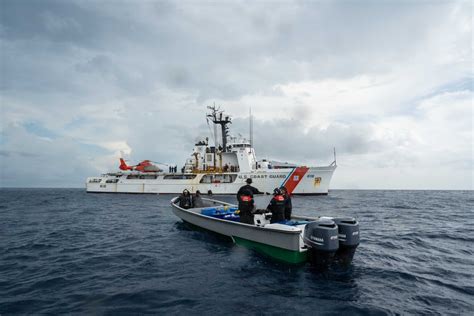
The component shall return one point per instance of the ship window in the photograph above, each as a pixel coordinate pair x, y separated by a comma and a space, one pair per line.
94, 180
219, 178
111, 181
133, 176
206, 179
230, 178
241, 145
148, 176
179, 176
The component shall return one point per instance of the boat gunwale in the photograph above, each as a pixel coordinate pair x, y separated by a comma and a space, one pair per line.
261, 228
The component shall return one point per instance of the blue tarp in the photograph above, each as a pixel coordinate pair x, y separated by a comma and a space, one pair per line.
221, 212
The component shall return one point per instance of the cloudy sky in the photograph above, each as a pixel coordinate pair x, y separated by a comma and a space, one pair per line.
388, 83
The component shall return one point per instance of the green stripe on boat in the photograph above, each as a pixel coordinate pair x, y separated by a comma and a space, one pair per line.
281, 254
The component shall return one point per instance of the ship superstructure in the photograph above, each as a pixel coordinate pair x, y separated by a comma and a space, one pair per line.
220, 168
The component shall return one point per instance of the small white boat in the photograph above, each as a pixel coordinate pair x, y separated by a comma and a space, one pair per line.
319, 240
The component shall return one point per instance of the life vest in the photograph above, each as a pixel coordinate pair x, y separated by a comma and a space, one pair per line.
245, 198
279, 198
278, 208
245, 204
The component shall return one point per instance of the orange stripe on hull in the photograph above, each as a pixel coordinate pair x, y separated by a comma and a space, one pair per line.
295, 178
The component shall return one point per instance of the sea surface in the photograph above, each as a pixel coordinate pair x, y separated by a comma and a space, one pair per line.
63, 251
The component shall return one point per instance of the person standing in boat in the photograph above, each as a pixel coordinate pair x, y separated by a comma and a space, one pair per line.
246, 207
247, 187
185, 200
288, 206
197, 201
277, 207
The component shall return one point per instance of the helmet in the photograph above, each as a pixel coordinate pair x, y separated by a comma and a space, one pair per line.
276, 191
249, 180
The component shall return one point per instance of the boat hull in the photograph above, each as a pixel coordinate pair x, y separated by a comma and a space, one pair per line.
282, 245
285, 255
314, 181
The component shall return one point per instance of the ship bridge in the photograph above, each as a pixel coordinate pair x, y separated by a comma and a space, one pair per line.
238, 156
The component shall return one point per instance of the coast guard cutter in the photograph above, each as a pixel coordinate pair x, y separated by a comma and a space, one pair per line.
221, 168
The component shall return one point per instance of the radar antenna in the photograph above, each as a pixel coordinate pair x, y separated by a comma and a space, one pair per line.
217, 117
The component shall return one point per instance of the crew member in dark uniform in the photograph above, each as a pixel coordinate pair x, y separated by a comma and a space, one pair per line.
288, 206
246, 207
248, 187
197, 199
277, 207
185, 200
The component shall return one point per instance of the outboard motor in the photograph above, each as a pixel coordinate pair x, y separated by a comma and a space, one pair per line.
321, 237
348, 239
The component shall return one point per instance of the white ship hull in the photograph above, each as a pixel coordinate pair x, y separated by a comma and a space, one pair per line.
299, 180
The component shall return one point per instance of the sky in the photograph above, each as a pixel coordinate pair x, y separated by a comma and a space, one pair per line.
389, 84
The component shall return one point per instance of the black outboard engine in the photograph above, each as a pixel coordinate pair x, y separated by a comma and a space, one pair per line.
348, 239
321, 238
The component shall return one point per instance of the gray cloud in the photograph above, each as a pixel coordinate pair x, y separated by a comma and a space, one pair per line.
286, 139
224, 51
12, 154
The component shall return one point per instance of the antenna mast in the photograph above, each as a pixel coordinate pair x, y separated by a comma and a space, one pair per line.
251, 127
218, 119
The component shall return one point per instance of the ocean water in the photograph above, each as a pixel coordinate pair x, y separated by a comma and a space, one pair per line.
66, 251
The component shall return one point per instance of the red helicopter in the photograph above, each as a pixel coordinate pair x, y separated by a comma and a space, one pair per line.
144, 166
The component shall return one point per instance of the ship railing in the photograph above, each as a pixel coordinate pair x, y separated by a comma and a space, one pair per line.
216, 170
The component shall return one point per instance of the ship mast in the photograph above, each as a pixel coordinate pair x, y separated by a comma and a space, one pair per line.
218, 119
251, 127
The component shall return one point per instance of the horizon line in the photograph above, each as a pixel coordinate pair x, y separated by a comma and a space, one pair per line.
339, 189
